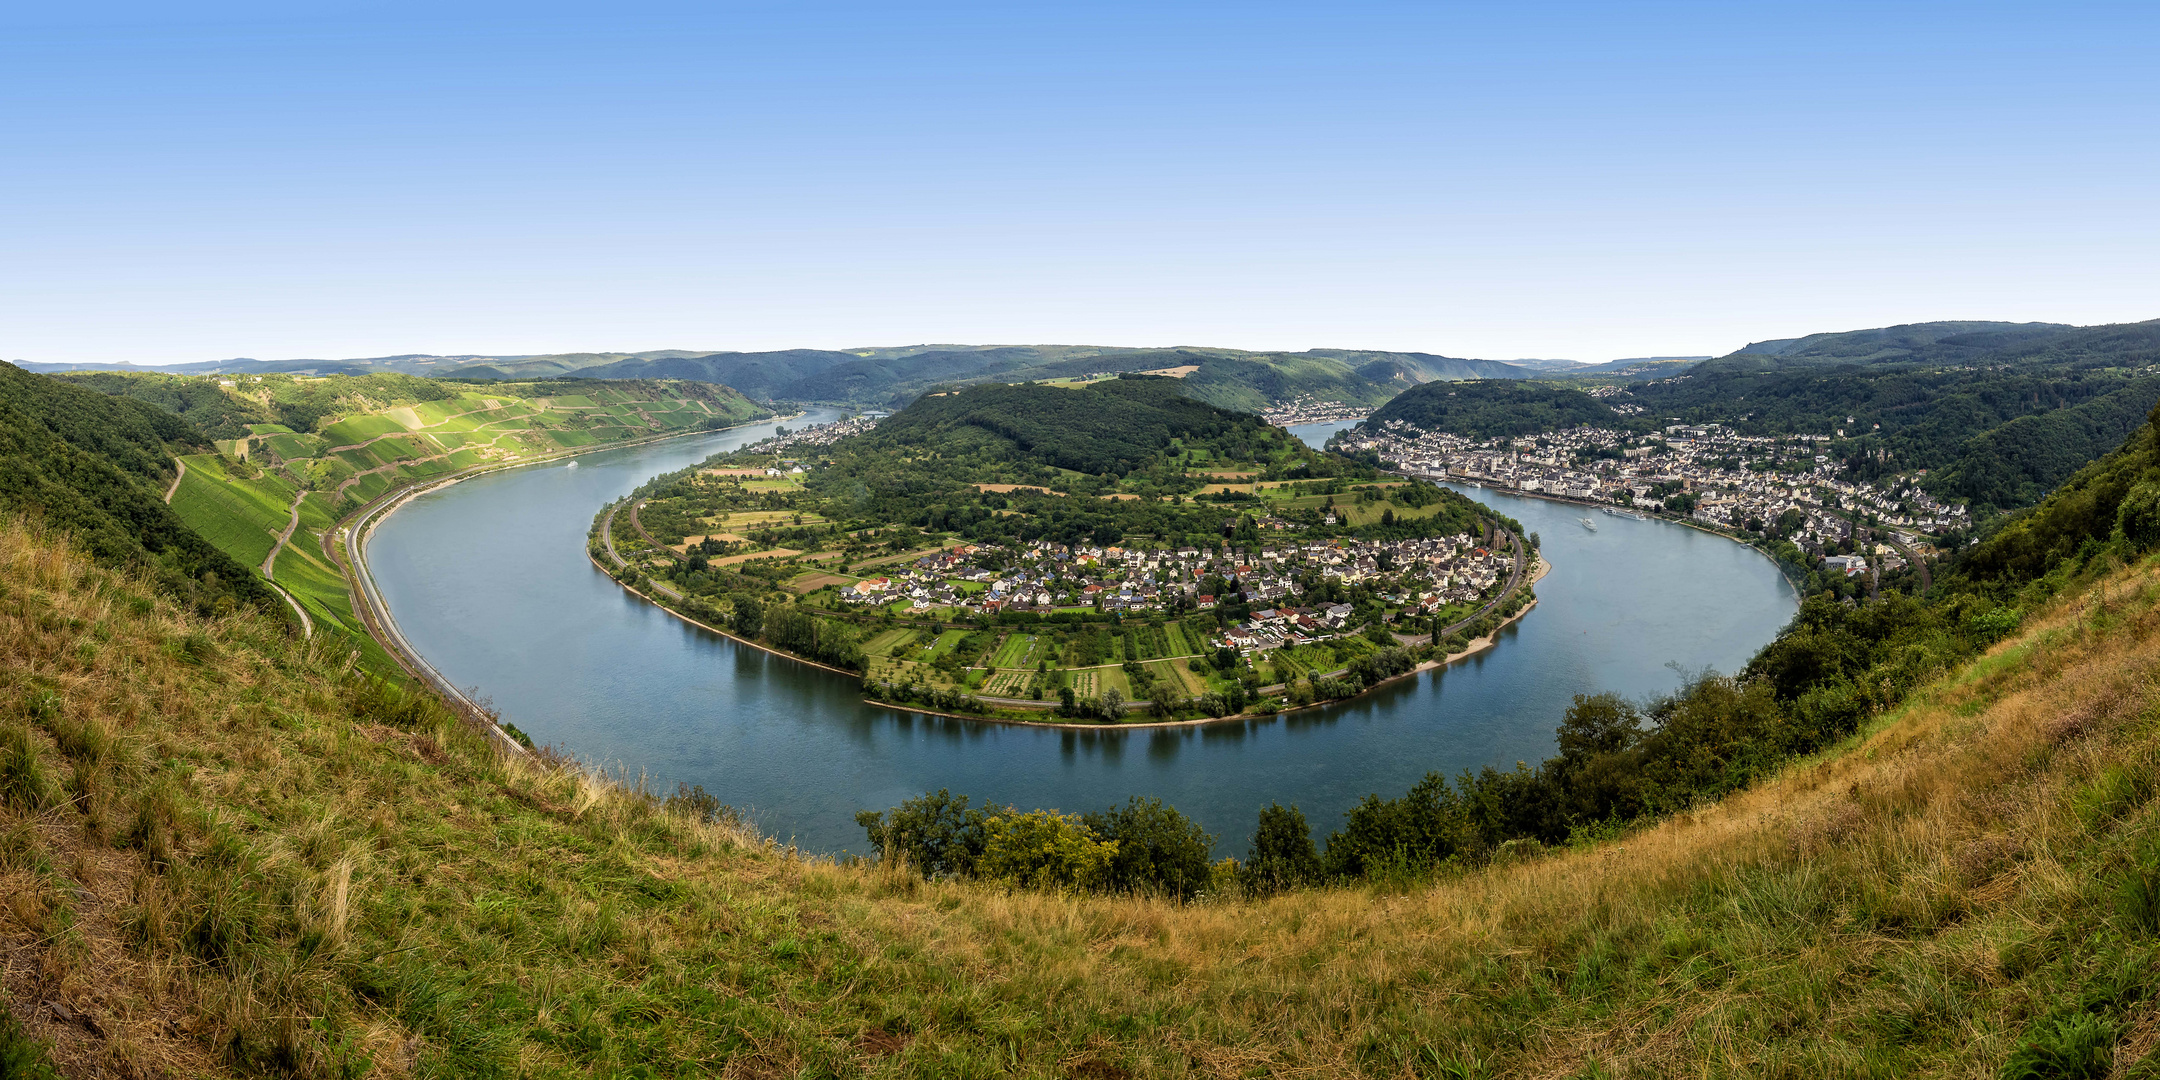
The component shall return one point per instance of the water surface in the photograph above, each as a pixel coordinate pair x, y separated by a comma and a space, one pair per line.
489, 580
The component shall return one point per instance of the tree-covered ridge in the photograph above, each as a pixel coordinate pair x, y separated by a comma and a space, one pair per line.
1104, 428
1938, 341
96, 466
1486, 409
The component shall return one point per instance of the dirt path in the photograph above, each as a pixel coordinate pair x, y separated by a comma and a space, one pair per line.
271, 561
182, 475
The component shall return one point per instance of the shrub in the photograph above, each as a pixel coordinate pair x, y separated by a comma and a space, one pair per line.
22, 1055
1043, 849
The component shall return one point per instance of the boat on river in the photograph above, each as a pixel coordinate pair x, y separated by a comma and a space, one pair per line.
1589, 524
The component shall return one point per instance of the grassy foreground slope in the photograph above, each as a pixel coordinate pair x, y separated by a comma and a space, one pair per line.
294, 454
224, 852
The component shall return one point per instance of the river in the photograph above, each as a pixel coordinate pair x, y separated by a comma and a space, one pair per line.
489, 580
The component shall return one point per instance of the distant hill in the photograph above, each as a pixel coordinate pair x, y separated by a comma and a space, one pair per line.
1228, 377
1491, 408
1997, 413
891, 376
1105, 427
1939, 342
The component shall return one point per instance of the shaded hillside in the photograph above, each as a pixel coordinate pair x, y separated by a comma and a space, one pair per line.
1488, 408
98, 466
1939, 341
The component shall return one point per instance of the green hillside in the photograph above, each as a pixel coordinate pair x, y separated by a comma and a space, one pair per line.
1999, 416
225, 852
292, 455
1111, 426
97, 467
1488, 409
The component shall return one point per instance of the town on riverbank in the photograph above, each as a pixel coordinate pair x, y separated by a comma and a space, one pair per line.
1780, 493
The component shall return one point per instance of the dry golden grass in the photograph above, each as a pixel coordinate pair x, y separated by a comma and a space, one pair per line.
397, 901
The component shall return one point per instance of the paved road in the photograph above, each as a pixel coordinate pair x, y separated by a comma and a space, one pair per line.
307, 625
607, 540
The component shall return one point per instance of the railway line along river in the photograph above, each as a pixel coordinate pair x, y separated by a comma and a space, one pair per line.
488, 580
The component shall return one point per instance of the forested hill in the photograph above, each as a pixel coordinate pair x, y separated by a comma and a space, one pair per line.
1109, 427
890, 377
1934, 341
97, 467
1999, 416
1491, 408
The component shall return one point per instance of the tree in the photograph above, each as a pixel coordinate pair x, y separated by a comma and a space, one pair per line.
938, 834
1282, 855
1158, 849
749, 617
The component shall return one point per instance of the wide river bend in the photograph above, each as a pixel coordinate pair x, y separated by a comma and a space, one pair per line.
489, 580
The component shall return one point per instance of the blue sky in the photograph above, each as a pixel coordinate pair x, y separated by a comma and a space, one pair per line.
1496, 180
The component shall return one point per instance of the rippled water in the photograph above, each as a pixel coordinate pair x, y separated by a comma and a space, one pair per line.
489, 579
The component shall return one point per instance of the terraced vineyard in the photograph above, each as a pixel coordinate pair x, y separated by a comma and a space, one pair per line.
295, 455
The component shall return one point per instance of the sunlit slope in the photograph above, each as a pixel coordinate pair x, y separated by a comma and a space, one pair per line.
224, 852
295, 454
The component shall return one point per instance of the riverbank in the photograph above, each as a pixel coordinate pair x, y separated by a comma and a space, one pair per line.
1687, 522
345, 545
1539, 568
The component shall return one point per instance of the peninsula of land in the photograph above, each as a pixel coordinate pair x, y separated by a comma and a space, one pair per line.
1108, 554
